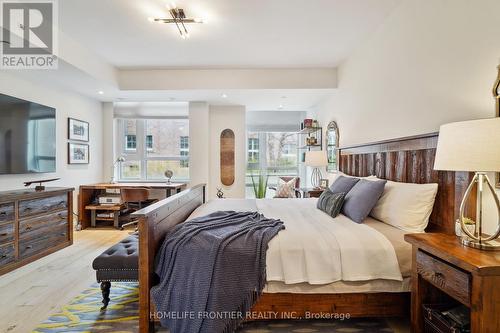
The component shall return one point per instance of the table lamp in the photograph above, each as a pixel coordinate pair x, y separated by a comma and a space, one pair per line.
316, 159
119, 161
473, 146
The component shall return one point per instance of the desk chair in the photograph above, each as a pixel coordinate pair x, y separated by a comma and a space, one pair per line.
135, 199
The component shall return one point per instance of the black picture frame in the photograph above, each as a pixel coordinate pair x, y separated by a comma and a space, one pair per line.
78, 130
80, 157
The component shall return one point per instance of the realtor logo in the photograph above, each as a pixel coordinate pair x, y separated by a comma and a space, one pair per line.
29, 34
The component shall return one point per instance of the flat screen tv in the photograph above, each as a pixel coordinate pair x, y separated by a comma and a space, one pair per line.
27, 137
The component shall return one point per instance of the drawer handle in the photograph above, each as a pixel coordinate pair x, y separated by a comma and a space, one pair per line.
62, 216
28, 228
63, 234
439, 275
29, 247
3, 256
4, 234
3, 213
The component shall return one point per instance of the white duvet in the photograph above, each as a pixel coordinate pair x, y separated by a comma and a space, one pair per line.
316, 248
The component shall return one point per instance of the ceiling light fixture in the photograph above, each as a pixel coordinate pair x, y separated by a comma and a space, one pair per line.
100, 92
179, 19
224, 96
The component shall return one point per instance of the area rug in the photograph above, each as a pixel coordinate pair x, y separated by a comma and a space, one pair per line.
83, 315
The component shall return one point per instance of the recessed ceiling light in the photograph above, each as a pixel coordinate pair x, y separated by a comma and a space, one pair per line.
224, 95
100, 92
280, 107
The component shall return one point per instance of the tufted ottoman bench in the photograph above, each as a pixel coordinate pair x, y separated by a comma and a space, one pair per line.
119, 263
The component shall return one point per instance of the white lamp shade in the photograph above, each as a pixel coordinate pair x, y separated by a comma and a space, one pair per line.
469, 146
316, 158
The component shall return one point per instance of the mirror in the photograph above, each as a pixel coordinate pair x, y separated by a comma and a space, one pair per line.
332, 145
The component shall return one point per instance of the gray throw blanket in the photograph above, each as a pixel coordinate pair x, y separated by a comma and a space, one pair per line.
212, 270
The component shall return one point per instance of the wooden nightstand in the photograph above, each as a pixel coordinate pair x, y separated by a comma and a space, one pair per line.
311, 192
444, 270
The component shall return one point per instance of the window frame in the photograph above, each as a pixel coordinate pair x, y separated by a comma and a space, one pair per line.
140, 154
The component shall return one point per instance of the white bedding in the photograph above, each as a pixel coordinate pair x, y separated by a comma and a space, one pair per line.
315, 248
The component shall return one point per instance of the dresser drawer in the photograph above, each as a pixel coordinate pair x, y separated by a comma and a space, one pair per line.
44, 205
44, 241
38, 226
7, 254
7, 212
6, 233
449, 279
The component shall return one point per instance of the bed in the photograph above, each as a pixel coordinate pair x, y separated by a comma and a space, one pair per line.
407, 160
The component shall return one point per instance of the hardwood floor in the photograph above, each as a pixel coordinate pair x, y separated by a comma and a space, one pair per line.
30, 294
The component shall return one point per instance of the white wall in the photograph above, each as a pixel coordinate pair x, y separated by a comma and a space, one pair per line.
67, 105
199, 144
234, 118
431, 62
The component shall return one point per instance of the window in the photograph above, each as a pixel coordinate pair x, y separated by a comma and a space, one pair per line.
253, 150
184, 151
130, 131
152, 147
149, 142
272, 153
131, 142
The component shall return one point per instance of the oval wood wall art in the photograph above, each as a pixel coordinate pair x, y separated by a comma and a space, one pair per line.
227, 157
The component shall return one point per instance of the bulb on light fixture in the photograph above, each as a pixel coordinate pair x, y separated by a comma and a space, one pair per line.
183, 36
198, 20
224, 96
186, 34
151, 19
100, 92
280, 107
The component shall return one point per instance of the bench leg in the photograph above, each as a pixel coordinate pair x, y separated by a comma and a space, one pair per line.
105, 288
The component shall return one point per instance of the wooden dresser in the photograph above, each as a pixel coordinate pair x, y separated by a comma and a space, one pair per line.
33, 225
446, 271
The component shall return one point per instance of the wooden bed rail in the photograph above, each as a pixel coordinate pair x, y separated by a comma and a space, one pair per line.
155, 222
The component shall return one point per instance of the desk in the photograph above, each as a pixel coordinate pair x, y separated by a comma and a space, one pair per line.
88, 193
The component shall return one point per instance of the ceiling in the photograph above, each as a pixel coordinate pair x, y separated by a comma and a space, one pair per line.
237, 34
109, 37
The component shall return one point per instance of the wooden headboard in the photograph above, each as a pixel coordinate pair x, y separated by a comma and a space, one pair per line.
411, 160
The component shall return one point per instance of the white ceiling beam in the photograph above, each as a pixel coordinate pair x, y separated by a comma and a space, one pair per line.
183, 79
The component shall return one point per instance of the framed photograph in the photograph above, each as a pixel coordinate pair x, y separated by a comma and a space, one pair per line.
323, 183
78, 130
78, 153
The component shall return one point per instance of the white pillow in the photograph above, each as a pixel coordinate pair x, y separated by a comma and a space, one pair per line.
406, 206
286, 189
332, 177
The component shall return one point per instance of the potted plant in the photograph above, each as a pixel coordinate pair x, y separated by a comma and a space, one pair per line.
260, 186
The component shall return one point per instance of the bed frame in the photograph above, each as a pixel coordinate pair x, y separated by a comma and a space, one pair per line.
407, 159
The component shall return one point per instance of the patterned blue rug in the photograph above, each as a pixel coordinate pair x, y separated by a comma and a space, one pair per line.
83, 315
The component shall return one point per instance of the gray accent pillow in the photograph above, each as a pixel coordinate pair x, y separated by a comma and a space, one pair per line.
361, 199
331, 203
343, 184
